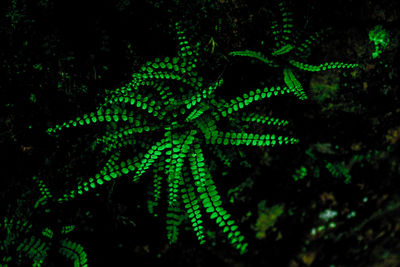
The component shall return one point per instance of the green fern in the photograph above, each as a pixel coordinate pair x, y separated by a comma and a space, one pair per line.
169, 100
291, 52
300, 173
67, 229
22, 242
174, 220
75, 252
35, 249
44, 191
339, 169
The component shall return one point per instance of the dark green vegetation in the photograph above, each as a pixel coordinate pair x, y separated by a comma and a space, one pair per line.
178, 165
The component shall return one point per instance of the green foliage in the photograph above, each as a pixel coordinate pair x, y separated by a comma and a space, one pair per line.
75, 252
18, 243
371, 156
320, 159
13, 229
167, 115
289, 52
174, 220
339, 170
5, 260
21, 245
35, 249
48, 233
44, 191
300, 173
25, 242
149, 129
67, 229
380, 37
192, 205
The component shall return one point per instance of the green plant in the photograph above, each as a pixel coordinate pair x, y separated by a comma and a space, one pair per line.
339, 170
75, 252
380, 37
24, 241
169, 101
290, 51
300, 173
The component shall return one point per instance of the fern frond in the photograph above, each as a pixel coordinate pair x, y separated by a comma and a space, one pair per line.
150, 157
256, 55
257, 118
48, 233
247, 99
73, 251
35, 249
211, 199
293, 84
185, 49
192, 206
107, 116
339, 169
180, 145
174, 220
283, 50
286, 24
302, 49
231, 138
322, 66
112, 170
67, 229
155, 191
